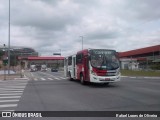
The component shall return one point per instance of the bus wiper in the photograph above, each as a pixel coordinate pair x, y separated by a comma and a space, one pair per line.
103, 61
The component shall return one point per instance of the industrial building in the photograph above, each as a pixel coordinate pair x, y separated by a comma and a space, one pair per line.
26, 56
143, 58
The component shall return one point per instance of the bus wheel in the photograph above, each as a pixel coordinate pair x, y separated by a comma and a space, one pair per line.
82, 79
70, 76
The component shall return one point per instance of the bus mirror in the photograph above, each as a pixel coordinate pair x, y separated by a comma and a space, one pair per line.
117, 54
89, 57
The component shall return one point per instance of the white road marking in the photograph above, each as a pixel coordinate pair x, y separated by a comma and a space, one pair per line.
25, 78
8, 105
13, 86
56, 78
42, 79
12, 94
7, 110
14, 81
11, 97
8, 91
11, 89
19, 80
50, 78
35, 79
62, 77
9, 101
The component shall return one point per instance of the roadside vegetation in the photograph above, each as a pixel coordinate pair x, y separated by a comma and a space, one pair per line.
140, 73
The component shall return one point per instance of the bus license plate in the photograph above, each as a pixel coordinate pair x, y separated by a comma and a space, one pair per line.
107, 79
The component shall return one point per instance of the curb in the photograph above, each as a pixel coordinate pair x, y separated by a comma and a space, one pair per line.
21, 79
133, 77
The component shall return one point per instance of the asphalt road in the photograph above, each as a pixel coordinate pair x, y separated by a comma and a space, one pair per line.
45, 93
49, 91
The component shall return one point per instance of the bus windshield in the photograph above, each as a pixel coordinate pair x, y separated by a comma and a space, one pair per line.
104, 59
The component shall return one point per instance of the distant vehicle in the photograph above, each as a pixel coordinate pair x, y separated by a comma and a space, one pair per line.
43, 68
33, 68
93, 65
38, 67
54, 70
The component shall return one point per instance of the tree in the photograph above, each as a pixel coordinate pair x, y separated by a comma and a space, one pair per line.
13, 60
1, 54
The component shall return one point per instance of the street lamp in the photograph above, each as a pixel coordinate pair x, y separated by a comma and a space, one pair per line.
82, 41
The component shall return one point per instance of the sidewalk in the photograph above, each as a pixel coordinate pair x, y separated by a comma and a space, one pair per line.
18, 75
10, 77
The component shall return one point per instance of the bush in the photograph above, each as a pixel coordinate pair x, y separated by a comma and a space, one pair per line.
155, 66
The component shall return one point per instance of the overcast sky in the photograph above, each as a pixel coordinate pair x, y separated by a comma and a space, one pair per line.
51, 25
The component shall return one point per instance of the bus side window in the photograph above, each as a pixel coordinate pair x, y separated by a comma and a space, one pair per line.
70, 61
79, 58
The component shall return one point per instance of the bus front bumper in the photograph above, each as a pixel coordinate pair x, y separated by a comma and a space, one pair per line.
104, 79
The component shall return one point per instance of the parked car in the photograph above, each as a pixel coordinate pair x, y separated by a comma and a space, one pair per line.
54, 70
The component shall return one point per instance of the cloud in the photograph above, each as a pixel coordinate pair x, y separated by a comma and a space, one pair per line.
51, 25
43, 16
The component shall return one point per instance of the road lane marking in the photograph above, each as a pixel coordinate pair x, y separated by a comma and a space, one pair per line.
9, 101
56, 78
42, 79
62, 77
8, 91
11, 94
25, 78
8, 110
13, 86
35, 79
8, 105
50, 78
14, 82
51, 75
11, 97
11, 89
17, 80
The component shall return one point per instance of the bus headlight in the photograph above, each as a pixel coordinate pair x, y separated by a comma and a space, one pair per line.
93, 73
118, 71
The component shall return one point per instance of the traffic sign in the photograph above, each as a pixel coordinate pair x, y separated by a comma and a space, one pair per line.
56, 53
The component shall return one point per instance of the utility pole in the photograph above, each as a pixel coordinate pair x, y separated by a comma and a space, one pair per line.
9, 41
4, 62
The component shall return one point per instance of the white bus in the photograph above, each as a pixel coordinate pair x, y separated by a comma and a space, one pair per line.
93, 65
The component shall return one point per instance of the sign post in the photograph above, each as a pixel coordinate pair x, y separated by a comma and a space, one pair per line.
5, 62
57, 54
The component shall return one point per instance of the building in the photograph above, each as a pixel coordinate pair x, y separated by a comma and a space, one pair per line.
15, 53
143, 58
26, 56
19, 51
48, 61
